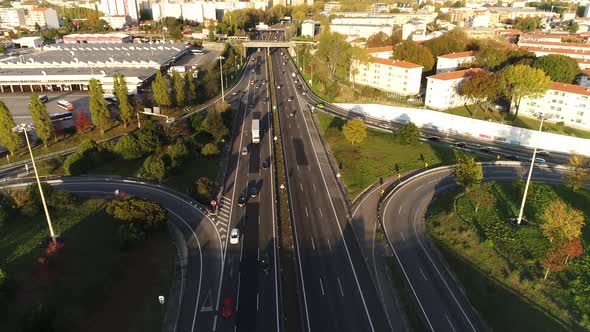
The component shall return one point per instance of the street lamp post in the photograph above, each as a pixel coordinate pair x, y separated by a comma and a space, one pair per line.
528, 181
24, 127
221, 76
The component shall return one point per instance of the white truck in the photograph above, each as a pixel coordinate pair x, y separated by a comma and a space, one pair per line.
255, 131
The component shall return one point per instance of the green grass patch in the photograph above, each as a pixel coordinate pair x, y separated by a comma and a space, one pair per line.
94, 285
474, 112
499, 265
380, 155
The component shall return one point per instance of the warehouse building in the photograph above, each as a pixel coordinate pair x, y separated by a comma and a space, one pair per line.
96, 38
69, 67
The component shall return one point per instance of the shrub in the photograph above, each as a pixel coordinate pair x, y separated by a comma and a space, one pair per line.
6, 208
205, 189
150, 215
210, 149
128, 147
62, 200
129, 235
153, 168
75, 164
148, 136
178, 153
196, 122
408, 134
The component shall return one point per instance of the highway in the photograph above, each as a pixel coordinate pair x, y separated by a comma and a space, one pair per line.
438, 295
254, 290
337, 292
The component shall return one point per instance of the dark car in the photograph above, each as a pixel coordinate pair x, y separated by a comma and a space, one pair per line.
227, 309
486, 149
242, 199
265, 165
434, 138
264, 263
461, 145
511, 157
253, 191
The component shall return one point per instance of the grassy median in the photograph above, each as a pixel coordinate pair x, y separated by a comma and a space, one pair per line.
93, 286
499, 265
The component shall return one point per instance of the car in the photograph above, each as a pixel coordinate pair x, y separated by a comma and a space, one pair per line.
539, 160
234, 93
257, 86
278, 86
253, 191
244, 151
264, 100
292, 114
227, 309
242, 199
296, 82
461, 145
485, 149
234, 236
303, 93
284, 63
543, 153
385, 125
266, 165
250, 107
263, 81
290, 99
43, 98
283, 72
320, 105
433, 138
264, 263
252, 82
252, 70
511, 157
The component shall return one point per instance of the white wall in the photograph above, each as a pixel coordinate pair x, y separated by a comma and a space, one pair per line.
485, 130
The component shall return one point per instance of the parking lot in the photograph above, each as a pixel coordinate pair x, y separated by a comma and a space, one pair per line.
199, 60
18, 103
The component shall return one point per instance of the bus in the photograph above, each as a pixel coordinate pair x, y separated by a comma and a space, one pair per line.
60, 116
66, 105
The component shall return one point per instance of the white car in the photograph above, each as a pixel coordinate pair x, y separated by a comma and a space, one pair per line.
244, 151
234, 236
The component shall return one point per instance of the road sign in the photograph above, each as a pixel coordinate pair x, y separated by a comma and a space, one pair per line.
161, 299
213, 203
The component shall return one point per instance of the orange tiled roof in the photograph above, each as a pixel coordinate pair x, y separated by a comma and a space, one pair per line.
586, 72
380, 49
555, 50
453, 75
396, 63
458, 55
541, 43
571, 88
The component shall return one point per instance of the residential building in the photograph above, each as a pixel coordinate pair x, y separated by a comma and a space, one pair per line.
12, 18
46, 18
379, 7
117, 21
393, 76
442, 90
121, 7
384, 52
310, 28
332, 6
566, 103
451, 62
364, 30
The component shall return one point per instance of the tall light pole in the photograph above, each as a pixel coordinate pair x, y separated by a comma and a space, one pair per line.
23, 127
528, 181
221, 75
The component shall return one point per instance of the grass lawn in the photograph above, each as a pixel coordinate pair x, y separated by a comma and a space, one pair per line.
379, 156
521, 121
94, 286
499, 265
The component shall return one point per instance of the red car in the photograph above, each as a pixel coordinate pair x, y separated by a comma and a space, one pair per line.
227, 310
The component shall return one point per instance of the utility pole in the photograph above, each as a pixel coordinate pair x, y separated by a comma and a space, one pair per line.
528, 181
221, 76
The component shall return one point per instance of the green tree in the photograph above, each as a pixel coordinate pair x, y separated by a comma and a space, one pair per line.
42, 121
521, 81
481, 195
205, 188
379, 39
213, 124
210, 149
7, 211
175, 33
559, 68
358, 57
196, 122
527, 24
409, 51
10, 139
481, 87
126, 112
355, 131
467, 172
101, 116
333, 52
454, 41
150, 215
492, 55
149, 135
154, 168
408, 134
128, 147
178, 86
562, 223
178, 153
578, 173
190, 88
160, 90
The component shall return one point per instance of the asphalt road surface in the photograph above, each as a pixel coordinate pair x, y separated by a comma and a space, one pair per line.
437, 294
337, 292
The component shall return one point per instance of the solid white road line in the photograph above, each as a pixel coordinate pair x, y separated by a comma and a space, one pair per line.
399, 211
402, 234
322, 286
314, 189
340, 286
306, 214
422, 272
258, 253
241, 247
448, 320
258, 219
312, 243
321, 214
238, 295
257, 301
329, 245
301, 186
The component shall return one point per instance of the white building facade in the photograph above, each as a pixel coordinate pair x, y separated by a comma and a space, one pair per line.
310, 28
451, 62
12, 17
45, 17
393, 76
565, 103
442, 90
121, 7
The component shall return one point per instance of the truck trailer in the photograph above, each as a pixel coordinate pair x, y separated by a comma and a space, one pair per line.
255, 131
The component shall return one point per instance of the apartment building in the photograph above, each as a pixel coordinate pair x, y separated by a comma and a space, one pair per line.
453, 61
45, 17
384, 52
566, 103
12, 18
117, 21
121, 8
393, 76
310, 28
442, 90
